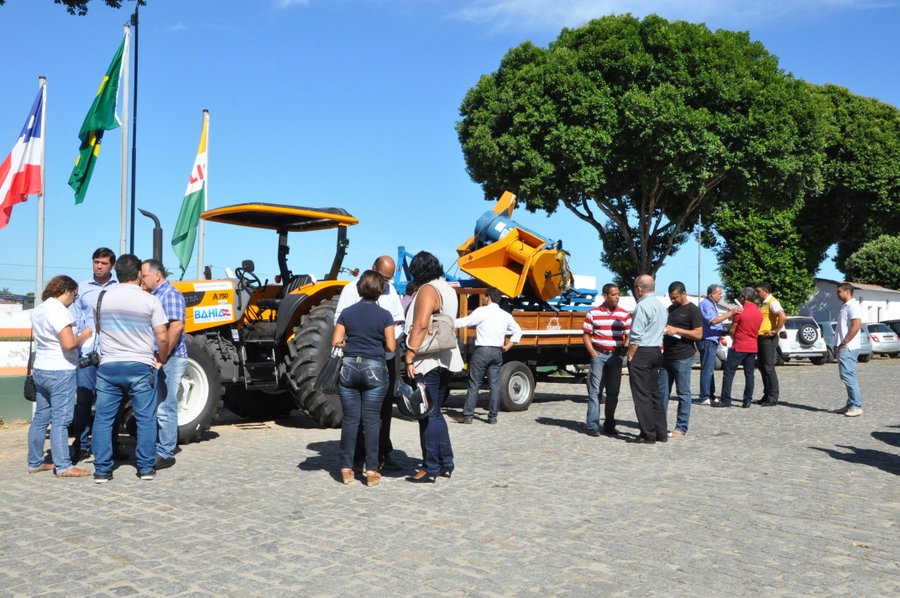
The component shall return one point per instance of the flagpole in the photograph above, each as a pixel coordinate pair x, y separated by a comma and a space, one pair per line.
134, 22
201, 229
39, 262
123, 192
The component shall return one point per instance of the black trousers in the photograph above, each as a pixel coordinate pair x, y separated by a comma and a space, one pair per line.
767, 346
643, 370
384, 433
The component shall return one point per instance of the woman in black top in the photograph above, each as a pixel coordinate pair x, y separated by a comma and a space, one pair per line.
366, 332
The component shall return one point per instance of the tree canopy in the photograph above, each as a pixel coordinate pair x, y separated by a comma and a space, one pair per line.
636, 125
80, 7
876, 262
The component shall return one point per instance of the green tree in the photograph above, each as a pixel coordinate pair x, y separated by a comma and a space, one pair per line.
860, 199
635, 126
876, 262
80, 7
762, 245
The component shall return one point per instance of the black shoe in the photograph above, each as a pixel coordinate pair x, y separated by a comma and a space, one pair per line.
492, 420
610, 432
592, 432
746, 404
164, 462
102, 478
421, 477
642, 440
388, 464
446, 472
768, 404
664, 438
148, 475
462, 419
760, 401
720, 404
80, 455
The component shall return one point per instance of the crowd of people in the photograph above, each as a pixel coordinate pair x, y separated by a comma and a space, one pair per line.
116, 337
96, 344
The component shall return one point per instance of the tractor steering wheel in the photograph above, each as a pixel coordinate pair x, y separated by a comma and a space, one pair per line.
247, 280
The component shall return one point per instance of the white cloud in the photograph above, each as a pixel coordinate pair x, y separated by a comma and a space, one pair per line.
542, 14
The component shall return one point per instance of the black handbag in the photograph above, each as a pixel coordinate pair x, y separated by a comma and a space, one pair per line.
329, 379
30, 392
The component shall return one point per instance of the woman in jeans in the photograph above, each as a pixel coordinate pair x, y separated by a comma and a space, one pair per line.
366, 332
55, 360
434, 295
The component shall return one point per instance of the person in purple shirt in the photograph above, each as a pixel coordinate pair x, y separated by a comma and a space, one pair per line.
713, 331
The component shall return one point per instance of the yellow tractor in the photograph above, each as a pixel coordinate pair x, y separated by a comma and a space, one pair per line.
257, 345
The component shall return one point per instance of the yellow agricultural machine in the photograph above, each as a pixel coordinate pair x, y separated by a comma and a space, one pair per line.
256, 345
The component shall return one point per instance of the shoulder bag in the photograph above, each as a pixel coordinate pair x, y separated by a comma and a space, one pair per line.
30, 392
441, 334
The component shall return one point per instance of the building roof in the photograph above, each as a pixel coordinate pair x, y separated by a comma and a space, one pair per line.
861, 286
13, 298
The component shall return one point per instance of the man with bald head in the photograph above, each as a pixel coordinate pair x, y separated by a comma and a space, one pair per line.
648, 325
389, 300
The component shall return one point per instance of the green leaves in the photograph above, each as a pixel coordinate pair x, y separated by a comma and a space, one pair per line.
877, 262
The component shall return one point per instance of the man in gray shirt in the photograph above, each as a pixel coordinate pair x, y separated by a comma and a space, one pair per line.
648, 326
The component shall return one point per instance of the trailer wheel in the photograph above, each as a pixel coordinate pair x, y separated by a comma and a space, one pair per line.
516, 386
200, 395
310, 348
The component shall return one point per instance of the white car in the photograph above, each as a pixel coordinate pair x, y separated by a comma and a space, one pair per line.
801, 338
884, 339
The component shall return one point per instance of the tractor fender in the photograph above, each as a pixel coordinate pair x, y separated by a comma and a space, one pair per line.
295, 305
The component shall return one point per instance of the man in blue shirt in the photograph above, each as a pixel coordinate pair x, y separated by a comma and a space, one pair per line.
153, 277
712, 333
644, 360
82, 310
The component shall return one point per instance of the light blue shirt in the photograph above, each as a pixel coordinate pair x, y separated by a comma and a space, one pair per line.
82, 309
648, 325
711, 332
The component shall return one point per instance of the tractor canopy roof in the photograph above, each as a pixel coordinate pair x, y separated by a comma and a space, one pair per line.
280, 218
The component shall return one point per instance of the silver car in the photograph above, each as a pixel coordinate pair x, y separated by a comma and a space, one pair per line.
865, 347
884, 339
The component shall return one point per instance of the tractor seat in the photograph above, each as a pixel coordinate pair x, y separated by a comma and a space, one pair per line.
295, 283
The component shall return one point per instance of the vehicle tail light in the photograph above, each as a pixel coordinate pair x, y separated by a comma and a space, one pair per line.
874, 337
722, 341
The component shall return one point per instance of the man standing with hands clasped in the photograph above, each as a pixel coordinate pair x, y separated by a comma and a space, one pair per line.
767, 342
644, 361
605, 329
847, 340
492, 325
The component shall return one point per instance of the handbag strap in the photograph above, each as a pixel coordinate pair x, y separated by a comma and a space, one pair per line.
440, 298
31, 355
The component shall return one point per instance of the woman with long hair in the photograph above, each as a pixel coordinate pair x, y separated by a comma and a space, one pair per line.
365, 330
55, 360
434, 296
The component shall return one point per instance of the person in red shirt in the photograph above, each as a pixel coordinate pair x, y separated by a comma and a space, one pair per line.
744, 331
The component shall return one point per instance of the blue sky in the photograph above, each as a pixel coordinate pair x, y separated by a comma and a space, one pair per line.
347, 103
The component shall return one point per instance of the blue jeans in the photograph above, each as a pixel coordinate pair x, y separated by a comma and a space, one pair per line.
54, 405
847, 369
484, 359
679, 372
707, 369
606, 374
115, 381
364, 384
736, 358
433, 432
167, 405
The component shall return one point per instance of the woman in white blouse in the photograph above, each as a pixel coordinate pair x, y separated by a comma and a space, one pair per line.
55, 360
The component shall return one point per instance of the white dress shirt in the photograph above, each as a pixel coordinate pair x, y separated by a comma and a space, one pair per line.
389, 300
492, 324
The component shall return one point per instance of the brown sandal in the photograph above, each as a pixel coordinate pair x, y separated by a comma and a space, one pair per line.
73, 472
347, 475
372, 478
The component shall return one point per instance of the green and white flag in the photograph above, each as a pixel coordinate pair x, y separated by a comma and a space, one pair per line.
101, 117
194, 202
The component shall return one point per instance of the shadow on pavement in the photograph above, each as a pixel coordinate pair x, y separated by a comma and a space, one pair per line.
803, 407
888, 462
891, 438
578, 426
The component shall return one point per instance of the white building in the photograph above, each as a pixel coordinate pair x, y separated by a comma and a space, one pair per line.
877, 303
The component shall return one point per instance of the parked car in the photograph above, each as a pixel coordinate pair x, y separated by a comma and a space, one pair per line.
721, 351
894, 325
865, 347
884, 339
801, 338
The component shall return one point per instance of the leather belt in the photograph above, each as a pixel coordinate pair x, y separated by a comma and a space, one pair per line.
615, 351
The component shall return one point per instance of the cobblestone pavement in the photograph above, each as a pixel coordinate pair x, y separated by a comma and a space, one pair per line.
784, 501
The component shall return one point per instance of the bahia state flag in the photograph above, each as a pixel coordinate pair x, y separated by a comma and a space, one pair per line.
101, 117
194, 202
21, 172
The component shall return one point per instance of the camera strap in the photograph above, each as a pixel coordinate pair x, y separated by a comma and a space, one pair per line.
97, 315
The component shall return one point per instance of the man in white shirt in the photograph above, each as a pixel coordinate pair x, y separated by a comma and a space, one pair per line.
847, 342
492, 325
390, 301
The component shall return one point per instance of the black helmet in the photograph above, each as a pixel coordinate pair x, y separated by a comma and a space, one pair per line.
414, 400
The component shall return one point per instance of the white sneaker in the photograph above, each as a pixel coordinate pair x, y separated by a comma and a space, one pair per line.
853, 412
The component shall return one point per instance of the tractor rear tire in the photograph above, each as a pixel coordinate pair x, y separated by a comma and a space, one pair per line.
516, 386
308, 351
200, 395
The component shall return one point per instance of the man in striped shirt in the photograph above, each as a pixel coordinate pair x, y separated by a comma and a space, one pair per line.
606, 329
